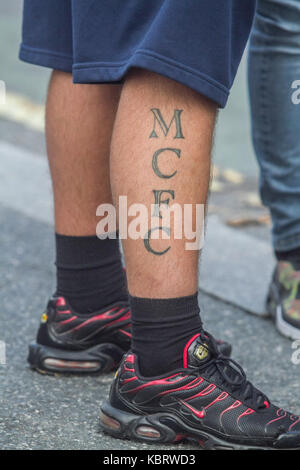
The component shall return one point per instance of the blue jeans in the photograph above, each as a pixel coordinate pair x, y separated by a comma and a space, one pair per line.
274, 64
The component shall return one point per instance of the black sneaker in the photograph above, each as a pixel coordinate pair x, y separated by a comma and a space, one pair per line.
209, 401
70, 342
283, 301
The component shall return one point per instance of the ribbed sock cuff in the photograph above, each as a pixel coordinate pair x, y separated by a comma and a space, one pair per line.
84, 252
154, 310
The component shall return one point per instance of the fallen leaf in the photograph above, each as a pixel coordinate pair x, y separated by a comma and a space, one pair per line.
233, 176
246, 221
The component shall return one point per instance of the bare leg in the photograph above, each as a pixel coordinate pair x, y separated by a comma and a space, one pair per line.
79, 122
137, 174
86, 324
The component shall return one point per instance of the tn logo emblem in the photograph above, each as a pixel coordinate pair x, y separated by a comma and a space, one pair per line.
201, 352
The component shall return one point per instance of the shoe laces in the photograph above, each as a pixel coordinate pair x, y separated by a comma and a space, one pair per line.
231, 374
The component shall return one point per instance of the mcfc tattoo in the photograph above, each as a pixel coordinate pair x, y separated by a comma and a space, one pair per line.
163, 196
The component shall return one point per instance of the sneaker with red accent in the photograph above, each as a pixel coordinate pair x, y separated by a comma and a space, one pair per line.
70, 342
208, 400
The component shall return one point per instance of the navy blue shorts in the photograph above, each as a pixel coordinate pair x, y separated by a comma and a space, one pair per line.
196, 42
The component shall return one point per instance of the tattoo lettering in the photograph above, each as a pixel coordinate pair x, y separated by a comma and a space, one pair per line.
160, 120
147, 239
158, 200
155, 162
158, 194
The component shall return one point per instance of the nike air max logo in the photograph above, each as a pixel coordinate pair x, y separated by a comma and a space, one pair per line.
198, 413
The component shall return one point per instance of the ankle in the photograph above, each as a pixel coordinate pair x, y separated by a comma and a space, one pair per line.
89, 272
160, 331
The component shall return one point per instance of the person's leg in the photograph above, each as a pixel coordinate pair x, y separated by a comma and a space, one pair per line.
274, 67
184, 153
175, 384
79, 122
86, 325
141, 164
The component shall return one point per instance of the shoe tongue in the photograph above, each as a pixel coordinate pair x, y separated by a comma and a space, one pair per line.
196, 352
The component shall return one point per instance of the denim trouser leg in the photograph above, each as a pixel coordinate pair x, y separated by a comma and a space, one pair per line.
274, 64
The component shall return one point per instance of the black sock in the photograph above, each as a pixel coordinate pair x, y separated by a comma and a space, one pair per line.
89, 272
290, 255
160, 330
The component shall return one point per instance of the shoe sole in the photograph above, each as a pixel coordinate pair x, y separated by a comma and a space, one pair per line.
167, 428
274, 308
99, 359
284, 327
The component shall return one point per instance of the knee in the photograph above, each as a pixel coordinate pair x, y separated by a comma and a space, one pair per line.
60, 75
144, 82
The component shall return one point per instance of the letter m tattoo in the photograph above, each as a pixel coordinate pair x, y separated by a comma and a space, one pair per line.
161, 122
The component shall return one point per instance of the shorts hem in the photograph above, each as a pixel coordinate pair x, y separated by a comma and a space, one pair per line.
46, 58
99, 72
